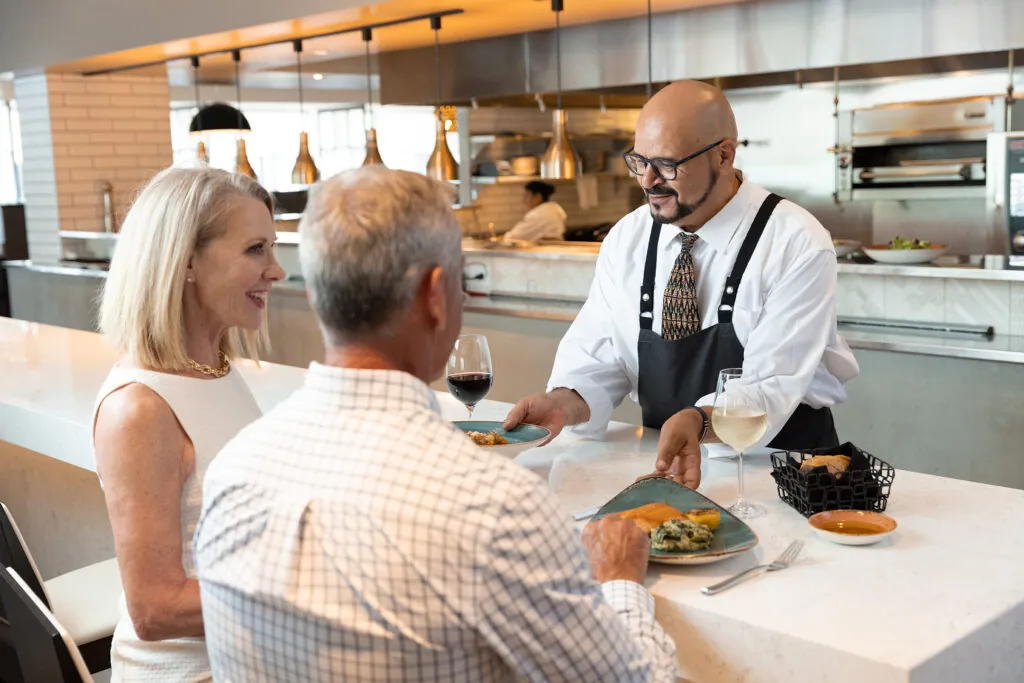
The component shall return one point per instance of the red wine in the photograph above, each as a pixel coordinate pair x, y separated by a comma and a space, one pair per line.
470, 387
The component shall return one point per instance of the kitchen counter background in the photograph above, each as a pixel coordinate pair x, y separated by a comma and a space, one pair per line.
48, 382
945, 405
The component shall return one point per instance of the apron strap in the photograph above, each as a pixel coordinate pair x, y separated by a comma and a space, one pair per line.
647, 288
732, 283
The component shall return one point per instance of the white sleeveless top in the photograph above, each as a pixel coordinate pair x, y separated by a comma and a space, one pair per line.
212, 412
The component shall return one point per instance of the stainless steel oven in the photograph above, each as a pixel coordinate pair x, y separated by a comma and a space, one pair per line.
920, 150
1005, 192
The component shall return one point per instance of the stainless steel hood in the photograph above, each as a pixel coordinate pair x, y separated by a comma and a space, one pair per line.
751, 43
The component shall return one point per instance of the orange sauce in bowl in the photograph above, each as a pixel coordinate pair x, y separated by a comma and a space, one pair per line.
854, 528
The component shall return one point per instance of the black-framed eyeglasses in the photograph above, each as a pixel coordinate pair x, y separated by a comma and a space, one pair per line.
666, 169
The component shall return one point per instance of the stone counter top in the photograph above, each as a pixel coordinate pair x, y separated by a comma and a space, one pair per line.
940, 601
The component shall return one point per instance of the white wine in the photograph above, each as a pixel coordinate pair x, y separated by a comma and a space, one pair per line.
741, 427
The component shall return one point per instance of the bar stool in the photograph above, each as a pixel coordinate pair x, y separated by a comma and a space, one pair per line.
45, 650
85, 601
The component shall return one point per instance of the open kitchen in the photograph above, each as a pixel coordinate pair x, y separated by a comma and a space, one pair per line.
896, 125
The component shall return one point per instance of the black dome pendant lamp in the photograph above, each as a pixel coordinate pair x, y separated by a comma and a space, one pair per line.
218, 116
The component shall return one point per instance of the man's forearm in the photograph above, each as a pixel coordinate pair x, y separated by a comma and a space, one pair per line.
573, 406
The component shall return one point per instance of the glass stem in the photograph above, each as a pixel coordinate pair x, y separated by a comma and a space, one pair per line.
739, 468
470, 409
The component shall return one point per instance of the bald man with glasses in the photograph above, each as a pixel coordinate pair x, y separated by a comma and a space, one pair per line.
714, 272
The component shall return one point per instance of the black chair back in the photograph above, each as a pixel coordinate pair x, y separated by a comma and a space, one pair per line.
45, 653
14, 553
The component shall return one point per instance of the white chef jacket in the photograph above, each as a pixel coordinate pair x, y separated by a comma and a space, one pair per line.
784, 315
543, 222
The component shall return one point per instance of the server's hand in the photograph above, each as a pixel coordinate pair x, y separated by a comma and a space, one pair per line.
679, 448
553, 411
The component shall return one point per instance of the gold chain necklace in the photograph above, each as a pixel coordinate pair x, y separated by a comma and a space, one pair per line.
212, 372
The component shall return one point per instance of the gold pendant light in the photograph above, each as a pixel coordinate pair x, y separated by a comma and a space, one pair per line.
559, 161
201, 154
441, 164
242, 165
372, 157
372, 152
304, 172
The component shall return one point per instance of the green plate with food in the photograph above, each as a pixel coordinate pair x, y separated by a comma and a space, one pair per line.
685, 527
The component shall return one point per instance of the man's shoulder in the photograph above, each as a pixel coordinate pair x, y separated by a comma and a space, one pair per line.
793, 223
628, 233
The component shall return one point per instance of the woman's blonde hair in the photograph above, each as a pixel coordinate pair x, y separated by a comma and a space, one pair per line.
177, 214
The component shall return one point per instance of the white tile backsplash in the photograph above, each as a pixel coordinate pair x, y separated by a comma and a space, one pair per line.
860, 296
978, 302
917, 299
1017, 308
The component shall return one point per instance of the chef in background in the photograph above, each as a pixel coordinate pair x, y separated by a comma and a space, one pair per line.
544, 219
714, 272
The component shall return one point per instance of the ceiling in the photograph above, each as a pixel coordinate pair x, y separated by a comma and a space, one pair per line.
274, 65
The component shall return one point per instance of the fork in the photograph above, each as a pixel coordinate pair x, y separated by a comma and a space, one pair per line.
787, 558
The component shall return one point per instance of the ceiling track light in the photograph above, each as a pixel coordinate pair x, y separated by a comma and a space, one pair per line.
372, 157
560, 161
441, 164
304, 172
242, 164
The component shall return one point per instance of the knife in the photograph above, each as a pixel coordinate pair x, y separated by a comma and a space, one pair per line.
587, 514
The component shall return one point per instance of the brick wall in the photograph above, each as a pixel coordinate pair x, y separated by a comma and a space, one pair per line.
78, 132
106, 128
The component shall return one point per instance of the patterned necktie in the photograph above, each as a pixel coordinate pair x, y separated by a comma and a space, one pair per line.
680, 317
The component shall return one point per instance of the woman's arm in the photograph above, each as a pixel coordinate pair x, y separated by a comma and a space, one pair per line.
144, 458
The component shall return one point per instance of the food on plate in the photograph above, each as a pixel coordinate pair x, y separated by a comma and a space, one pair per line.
672, 530
487, 438
651, 515
836, 464
680, 535
709, 517
900, 243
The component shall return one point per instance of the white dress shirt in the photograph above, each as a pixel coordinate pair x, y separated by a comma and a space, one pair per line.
785, 313
353, 534
543, 222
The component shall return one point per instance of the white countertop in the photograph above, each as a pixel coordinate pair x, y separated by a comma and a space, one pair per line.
940, 601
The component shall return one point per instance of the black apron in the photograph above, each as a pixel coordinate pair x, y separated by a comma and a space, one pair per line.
675, 374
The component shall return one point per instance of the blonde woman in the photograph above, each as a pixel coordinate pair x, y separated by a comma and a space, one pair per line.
186, 293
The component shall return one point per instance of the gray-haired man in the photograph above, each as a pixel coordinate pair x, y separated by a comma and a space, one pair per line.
352, 534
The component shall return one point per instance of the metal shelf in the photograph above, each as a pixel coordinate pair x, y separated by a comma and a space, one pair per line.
493, 180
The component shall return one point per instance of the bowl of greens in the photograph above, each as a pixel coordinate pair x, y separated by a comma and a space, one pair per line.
904, 252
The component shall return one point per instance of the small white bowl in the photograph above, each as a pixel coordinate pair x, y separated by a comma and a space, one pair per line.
852, 527
845, 247
522, 438
904, 257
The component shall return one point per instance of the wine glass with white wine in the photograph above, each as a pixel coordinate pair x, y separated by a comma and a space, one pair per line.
740, 419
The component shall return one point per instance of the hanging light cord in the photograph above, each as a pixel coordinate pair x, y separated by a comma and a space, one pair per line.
556, 7
435, 23
236, 56
298, 66
650, 53
367, 37
195, 82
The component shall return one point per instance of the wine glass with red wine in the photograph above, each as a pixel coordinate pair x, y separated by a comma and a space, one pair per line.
469, 370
